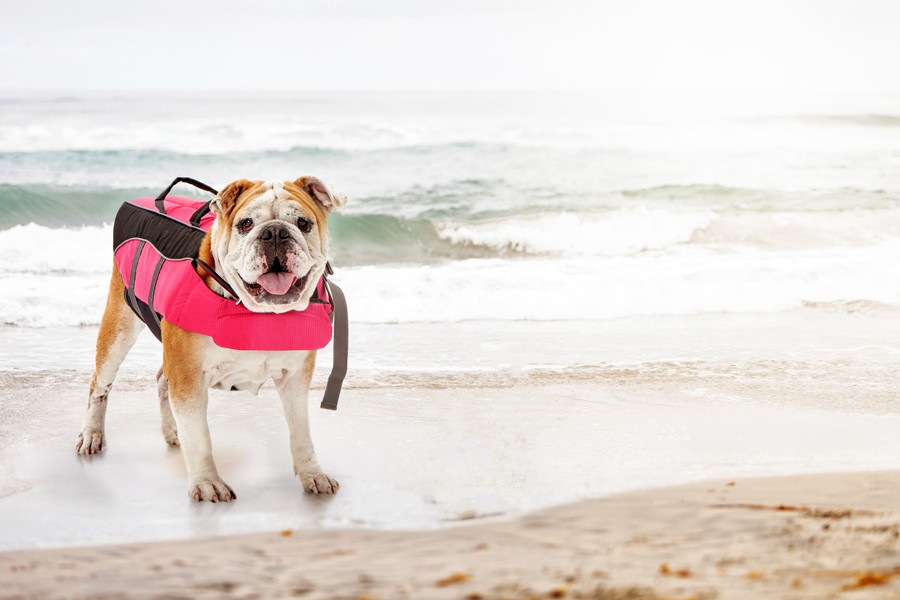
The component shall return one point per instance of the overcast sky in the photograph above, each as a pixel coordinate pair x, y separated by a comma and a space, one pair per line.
791, 45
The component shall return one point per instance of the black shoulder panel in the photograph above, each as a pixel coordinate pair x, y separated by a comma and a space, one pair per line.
171, 237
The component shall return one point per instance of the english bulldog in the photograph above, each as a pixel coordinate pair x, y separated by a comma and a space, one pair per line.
269, 242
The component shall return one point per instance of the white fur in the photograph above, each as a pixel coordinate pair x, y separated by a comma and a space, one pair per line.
169, 427
247, 370
224, 369
238, 258
204, 482
293, 389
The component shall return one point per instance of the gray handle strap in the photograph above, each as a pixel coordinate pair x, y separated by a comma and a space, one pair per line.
341, 345
161, 199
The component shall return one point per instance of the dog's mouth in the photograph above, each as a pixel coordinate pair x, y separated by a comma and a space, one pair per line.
277, 281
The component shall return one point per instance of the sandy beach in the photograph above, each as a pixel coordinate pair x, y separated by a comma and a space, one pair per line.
823, 536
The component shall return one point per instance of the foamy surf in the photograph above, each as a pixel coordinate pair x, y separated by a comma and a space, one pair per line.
47, 284
500, 209
616, 232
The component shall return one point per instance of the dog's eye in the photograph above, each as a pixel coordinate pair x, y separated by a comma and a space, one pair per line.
304, 224
245, 225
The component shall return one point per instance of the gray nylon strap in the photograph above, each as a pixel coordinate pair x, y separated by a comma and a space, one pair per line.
152, 293
134, 266
341, 345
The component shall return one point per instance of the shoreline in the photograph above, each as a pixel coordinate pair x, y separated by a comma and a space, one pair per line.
406, 458
811, 536
427, 434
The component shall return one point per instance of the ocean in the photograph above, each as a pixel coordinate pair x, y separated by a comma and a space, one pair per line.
481, 206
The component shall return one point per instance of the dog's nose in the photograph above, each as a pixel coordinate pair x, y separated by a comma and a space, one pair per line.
272, 231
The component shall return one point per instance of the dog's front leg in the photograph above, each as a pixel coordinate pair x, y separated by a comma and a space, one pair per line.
188, 397
293, 389
204, 482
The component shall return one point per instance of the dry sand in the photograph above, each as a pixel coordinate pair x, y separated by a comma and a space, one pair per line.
817, 536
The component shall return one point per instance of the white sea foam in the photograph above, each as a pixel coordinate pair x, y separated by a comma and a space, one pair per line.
45, 251
801, 229
689, 281
54, 277
637, 216
31, 300
621, 231
59, 277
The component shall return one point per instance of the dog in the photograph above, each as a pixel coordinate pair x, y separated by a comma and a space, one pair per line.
269, 242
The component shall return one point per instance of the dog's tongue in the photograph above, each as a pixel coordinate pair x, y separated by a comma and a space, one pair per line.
276, 283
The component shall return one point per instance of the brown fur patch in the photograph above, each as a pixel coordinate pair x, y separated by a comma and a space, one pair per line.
205, 254
232, 192
117, 317
298, 190
309, 365
181, 362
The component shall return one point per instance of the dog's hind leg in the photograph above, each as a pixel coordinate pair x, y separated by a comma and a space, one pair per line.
169, 428
119, 329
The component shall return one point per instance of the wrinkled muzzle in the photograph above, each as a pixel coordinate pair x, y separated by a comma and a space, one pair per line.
278, 264
277, 247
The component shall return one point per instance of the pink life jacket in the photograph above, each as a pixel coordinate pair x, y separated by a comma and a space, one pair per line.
157, 241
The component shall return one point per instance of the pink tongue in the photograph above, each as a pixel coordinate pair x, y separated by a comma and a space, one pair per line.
276, 283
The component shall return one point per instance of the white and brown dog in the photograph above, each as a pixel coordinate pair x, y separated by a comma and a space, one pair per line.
270, 243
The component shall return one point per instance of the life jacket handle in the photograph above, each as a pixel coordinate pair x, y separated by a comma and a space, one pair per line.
160, 200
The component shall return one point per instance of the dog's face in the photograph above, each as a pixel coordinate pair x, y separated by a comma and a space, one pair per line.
270, 240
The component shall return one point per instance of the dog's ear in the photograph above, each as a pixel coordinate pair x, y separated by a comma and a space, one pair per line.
321, 193
224, 202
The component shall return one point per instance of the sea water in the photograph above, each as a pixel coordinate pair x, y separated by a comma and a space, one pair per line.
509, 206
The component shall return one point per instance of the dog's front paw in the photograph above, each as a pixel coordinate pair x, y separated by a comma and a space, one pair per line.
319, 483
211, 490
90, 441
